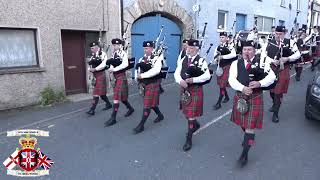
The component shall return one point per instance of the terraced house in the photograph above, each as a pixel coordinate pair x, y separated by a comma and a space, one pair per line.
45, 42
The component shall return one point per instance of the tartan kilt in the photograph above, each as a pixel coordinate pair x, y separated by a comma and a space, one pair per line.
316, 53
151, 95
283, 81
120, 91
222, 80
253, 119
100, 87
195, 107
306, 58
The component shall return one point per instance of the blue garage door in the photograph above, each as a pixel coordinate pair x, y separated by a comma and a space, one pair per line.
241, 22
147, 28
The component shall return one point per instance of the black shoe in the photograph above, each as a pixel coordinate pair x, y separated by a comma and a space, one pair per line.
196, 127
108, 106
159, 118
130, 111
161, 90
217, 106
90, 112
138, 129
188, 144
243, 160
275, 118
110, 122
226, 99
271, 109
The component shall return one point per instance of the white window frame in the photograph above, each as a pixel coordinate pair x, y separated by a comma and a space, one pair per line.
263, 18
225, 20
298, 5
283, 3
36, 52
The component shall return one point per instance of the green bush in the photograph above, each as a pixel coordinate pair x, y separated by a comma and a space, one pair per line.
49, 96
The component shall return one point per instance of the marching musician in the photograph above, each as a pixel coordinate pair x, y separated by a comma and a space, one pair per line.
100, 83
191, 74
183, 51
248, 77
272, 34
147, 74
119, 81
304, 50
316, 47
281, 52
263, 42
230, 40
227, 55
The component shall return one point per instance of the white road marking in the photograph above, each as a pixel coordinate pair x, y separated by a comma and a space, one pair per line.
213, 121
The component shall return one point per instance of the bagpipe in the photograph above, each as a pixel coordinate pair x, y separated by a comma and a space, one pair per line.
116, 60
196, 70
294, 29
126, 46
158, 53
96, 59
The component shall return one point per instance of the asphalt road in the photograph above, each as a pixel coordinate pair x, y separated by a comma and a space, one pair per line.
83, 149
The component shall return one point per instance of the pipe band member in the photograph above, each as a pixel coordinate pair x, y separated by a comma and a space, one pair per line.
100, 83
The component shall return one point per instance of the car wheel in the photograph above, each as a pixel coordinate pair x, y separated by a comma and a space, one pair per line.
307, 114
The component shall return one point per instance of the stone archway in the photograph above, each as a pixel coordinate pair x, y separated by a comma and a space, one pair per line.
168, 7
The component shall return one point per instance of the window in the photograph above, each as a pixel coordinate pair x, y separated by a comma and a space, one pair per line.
298, 5
264, 23
222, 20
18, 48
283, 3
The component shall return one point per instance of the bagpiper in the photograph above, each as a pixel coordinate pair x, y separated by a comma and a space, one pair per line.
99, 81
183, 51
315, 42
281, 52
117, 67
248, 77
305, 50
147, 74
272, 34
224, 54
191, 74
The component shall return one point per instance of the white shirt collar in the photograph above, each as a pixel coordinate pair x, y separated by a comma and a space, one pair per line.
250, 60
193, 56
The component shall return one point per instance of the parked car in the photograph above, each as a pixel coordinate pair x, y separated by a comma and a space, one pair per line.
312, 106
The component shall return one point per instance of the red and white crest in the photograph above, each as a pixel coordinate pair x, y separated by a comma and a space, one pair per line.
28, 159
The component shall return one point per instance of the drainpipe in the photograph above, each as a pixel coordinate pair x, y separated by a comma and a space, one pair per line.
121, 17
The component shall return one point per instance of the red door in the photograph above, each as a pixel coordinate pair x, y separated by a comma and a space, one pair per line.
73, 47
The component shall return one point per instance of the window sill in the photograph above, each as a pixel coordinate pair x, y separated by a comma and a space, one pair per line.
283, 6
21, 70
222, 30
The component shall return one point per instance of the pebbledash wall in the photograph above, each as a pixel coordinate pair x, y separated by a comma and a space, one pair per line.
22, 86
277, 10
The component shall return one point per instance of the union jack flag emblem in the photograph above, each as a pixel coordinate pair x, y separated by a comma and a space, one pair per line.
44, 162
